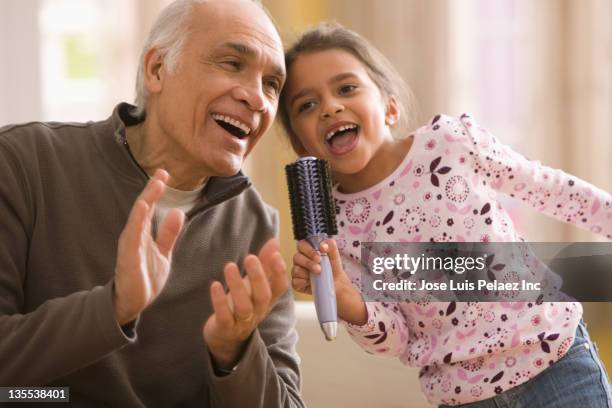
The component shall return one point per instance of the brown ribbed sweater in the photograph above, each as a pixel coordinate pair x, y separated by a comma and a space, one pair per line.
65, 193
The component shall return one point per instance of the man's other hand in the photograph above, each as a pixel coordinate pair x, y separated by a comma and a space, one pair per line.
249, 300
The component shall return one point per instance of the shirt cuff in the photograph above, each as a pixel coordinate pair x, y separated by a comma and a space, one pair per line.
110, 328
369, 326
250, 352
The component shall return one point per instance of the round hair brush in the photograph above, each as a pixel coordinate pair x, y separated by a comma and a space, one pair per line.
314, 219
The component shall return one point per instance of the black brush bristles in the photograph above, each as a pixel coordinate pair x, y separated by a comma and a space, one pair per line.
299, 232
328, 200
312, 206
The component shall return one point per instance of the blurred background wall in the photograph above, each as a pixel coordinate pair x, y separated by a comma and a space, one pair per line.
537, 74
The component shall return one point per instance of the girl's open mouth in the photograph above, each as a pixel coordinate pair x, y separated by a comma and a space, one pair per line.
343, 139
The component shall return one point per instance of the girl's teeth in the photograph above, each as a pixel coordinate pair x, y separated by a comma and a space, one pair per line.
340, 129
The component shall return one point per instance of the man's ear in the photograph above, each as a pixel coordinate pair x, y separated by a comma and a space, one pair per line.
153, 71
392, 113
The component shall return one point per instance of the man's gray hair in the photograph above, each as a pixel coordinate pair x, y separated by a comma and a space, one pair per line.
167, 36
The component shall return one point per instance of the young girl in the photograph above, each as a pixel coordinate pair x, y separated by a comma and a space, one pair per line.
438, 184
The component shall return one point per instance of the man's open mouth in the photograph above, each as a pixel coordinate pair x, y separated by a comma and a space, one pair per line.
233, 126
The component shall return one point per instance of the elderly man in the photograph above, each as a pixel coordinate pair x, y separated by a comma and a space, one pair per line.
115, 236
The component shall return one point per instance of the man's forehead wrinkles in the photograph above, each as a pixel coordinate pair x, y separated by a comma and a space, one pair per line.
254, 48
241, 48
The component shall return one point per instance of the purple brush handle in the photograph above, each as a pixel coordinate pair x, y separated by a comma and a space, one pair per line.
323, 287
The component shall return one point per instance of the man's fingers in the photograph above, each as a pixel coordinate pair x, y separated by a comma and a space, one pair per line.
267, 251
155, 187
279, 282
221, 307
142, 210
162, 175
169, 231
261, 291
240, 292
136, 224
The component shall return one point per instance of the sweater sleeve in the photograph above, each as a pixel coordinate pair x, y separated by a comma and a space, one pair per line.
61, 335
386, 331
550, 191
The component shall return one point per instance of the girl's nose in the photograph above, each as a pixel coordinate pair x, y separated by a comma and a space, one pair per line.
331, 110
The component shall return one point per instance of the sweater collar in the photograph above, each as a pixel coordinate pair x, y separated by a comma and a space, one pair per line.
116, 152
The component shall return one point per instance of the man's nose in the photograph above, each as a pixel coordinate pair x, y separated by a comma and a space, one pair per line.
252, 95
331, 109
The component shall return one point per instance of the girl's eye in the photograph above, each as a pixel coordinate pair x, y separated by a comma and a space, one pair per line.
305, 106
344, 89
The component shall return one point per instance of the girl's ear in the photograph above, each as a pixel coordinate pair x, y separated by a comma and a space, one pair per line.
392, 113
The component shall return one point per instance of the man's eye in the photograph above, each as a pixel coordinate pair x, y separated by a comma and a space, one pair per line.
305, 106
344, 89
273, 85
232, 64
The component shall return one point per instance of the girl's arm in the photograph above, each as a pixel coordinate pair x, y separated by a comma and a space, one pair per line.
378, 327
550, 191
386, 331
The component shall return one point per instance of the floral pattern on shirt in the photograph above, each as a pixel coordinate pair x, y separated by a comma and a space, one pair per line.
445, 190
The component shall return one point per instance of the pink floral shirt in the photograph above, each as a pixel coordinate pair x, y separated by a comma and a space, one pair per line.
446, 190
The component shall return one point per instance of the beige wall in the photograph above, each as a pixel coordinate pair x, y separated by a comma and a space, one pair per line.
19, 62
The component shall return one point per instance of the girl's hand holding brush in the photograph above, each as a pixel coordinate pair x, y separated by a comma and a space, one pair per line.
351, 307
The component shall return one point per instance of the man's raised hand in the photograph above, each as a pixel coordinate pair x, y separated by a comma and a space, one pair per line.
143, 264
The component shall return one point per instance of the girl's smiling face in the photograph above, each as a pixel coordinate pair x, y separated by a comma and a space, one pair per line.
338, 113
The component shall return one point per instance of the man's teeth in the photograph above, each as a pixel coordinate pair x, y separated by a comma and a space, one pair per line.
340, 129
232, 122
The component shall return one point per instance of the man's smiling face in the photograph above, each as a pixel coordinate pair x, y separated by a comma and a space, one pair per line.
223, 94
